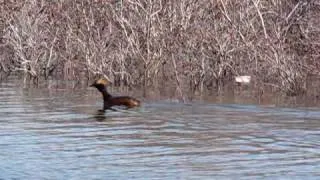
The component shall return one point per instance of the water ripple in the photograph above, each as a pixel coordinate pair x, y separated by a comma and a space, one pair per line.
60, 135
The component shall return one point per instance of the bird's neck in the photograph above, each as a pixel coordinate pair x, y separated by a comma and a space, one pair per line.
106, 99
105, 94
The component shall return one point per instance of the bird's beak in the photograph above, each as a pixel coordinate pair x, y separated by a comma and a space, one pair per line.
92, 85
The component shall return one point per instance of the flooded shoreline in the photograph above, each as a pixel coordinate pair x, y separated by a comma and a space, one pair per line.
230, 94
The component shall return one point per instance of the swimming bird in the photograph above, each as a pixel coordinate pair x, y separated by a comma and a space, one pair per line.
109, 100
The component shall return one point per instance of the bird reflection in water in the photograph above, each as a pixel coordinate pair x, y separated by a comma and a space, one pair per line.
100, 116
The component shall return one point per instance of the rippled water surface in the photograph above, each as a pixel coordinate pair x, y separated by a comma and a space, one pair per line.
57, 133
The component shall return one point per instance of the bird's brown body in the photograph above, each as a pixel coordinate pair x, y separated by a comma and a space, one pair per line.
109, 100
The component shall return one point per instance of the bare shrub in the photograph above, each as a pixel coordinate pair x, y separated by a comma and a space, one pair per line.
194, 44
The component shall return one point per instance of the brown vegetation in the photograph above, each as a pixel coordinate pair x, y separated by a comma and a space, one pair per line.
193, 43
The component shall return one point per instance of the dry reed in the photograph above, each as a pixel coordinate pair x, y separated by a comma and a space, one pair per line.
193, 44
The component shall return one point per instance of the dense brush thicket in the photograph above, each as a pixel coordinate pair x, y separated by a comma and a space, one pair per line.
190, 43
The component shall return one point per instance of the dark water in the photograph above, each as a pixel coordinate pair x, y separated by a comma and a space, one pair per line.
57, 133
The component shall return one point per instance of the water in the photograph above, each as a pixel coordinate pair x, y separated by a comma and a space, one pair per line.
57, 133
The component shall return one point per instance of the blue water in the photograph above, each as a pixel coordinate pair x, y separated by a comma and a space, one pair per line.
56, 133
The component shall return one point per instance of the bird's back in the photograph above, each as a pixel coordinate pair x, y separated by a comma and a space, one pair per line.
127, 101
